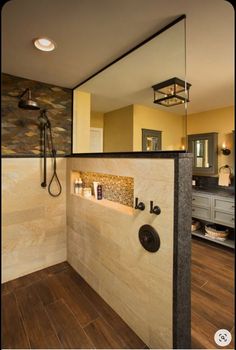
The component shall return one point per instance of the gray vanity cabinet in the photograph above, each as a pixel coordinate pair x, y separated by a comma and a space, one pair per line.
201, 206
213, 209
223, 211
216, 209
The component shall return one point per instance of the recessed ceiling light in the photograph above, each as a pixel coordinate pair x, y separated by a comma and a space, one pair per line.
44, 44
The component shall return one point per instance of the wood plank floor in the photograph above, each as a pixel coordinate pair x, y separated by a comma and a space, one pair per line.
55, 308
212, 293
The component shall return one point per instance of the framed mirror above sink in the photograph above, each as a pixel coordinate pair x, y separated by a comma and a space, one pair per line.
205, 153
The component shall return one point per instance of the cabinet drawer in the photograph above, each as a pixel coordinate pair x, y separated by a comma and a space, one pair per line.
223, 218
223, 204
201, 213
202, 201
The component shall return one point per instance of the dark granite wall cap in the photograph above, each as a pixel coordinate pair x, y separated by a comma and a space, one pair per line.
160, 154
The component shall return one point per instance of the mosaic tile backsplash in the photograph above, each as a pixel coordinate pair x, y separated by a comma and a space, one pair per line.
118, 189
20, 128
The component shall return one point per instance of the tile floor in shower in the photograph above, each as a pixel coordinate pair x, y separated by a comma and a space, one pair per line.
56, 308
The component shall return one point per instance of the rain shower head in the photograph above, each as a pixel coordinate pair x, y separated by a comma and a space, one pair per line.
27, 103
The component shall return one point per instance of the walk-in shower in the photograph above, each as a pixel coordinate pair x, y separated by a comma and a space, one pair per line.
47, 140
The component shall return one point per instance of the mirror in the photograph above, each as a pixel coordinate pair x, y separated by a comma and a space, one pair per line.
204, 149
114, 111
151, 140
201, 150
200, 126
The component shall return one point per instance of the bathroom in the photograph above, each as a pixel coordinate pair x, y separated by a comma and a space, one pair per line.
100, 186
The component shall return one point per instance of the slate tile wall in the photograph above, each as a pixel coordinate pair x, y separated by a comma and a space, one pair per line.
20, 128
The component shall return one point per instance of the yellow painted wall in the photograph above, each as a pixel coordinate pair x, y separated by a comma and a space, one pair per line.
81, 121
118, 130
171, 125
218, 120
97, 120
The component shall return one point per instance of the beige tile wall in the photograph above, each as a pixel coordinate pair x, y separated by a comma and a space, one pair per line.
33, 222
103, 245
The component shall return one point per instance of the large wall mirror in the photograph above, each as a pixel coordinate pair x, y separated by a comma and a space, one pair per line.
114, 111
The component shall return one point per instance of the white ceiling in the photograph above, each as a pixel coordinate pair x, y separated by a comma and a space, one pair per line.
130, 80
91, 33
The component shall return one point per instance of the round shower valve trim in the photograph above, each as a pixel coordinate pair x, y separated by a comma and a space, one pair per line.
149, 238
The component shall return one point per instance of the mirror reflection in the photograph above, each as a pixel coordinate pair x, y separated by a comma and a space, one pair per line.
116, 110
205, 152
201, 150
151, 140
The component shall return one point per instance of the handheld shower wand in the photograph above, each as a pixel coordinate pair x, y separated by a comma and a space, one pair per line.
46, 133
47, 138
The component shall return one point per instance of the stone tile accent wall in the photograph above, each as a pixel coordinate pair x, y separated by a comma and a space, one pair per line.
118, 189
20, 128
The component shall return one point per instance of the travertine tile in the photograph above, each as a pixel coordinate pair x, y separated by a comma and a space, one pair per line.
34, 223
103, 242
142, 168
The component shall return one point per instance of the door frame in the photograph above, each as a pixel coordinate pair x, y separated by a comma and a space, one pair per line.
101, 134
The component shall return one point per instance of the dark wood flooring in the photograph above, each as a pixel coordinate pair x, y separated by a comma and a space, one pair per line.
212, 293
55, 308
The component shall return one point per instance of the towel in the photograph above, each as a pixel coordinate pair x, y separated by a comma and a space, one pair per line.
224, 179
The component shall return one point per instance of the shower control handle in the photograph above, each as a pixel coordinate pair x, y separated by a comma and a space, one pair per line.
154, 209
139, 205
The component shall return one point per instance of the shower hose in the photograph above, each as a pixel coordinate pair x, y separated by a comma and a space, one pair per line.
49, 138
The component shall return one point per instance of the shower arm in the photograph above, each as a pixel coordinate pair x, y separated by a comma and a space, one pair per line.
24, 92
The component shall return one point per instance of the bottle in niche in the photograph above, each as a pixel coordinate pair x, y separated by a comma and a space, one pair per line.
95, 189
76, 186
99, 192
80, 186
87, 192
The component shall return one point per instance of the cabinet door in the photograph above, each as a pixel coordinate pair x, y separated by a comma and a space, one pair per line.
201, 200
201, 213
226, 205
223, 218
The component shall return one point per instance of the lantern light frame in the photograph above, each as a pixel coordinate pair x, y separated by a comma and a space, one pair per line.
171, 92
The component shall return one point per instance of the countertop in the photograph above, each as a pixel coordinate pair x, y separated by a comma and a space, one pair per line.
215, 191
